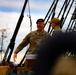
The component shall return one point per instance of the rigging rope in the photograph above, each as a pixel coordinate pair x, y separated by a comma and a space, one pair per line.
29, 16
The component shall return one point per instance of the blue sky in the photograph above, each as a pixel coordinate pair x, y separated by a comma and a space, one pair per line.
10, 11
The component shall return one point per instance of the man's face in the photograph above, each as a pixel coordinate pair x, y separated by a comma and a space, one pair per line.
40, 25
53, 25
65, 66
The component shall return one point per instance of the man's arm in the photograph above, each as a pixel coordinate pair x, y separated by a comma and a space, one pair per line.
24, 43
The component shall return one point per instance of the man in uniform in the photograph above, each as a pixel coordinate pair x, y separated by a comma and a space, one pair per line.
55, 24
34, 39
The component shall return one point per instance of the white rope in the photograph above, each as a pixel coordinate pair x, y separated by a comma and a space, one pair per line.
29, 16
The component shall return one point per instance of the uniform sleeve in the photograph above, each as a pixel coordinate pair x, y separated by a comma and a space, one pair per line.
23, 44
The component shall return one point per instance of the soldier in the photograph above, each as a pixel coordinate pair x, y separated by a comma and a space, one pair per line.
34, 39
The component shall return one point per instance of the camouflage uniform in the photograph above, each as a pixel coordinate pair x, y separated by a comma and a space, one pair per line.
33, 38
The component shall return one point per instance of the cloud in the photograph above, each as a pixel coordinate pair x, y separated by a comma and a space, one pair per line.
39, 5
13, 4
16, 5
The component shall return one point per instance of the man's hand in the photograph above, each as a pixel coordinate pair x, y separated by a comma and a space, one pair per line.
14, 56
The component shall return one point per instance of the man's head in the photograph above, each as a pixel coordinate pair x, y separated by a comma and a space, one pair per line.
40, 24
39, 20
55, 22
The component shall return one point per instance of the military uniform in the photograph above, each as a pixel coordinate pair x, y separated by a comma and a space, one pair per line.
34, 38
